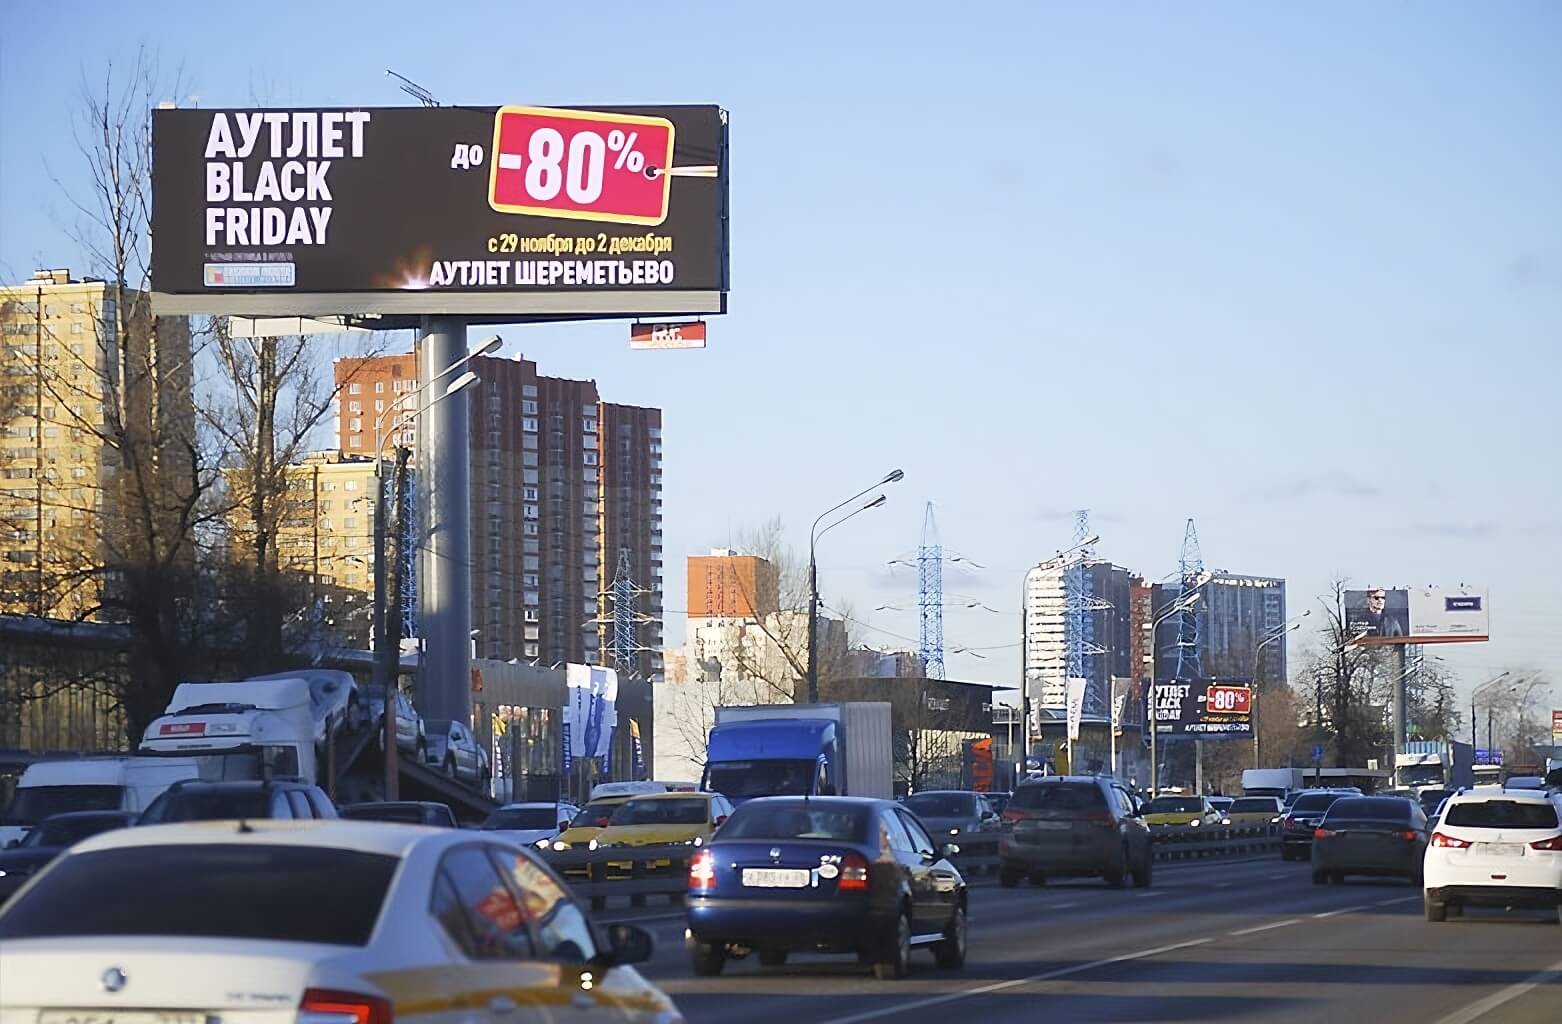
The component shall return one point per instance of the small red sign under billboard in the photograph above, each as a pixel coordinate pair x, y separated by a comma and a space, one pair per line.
686, 335
1229, 700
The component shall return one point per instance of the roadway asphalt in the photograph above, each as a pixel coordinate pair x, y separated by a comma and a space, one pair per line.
1250, 940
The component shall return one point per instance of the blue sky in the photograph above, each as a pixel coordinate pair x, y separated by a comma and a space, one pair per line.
1296, 273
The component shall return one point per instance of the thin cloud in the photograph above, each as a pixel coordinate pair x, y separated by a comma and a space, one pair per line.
1336, 483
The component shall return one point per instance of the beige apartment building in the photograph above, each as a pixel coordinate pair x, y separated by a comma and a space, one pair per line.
66, 387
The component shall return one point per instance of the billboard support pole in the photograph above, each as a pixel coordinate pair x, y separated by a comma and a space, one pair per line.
1399, 706
444, 527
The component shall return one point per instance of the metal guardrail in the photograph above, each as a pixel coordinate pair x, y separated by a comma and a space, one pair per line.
625, 872
1186, 842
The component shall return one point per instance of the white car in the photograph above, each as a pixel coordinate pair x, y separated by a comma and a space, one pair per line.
1492, 847
330, 921
531, 823
334, 697
450, 747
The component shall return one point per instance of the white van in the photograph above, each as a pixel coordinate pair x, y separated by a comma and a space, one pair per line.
271, 718
95, 784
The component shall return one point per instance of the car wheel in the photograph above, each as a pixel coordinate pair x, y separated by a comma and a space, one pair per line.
706, 960
772, 957
950, 953
1142, 872
898, 950
1009, 877
1038, 879
1435, 911
1320, 878
449, 767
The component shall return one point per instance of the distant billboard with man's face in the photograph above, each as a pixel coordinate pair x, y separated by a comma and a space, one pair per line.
1429, 615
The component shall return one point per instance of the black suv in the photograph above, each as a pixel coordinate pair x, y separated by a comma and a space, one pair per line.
1073, 825
194, 800
401, 812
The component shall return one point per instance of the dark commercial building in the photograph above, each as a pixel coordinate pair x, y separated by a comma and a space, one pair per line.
1235, 614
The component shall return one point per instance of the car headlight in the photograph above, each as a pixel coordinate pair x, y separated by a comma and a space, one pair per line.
593, 845
954, 831
1225, 821
1194, 822
542, 844
697, 841
1274, 821
2, 872
559, 847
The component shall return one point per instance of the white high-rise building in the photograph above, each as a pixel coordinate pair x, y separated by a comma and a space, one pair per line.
1046, 640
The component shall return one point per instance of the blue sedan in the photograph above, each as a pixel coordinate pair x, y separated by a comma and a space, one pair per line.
827, 875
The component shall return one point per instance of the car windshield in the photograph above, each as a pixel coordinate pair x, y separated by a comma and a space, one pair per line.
942, 805
1314, 802
524, 818
210, 890
739, 779
1255, 805
35, 803
1058, 796
595, 814
69, 831
1430, 798
1174, 805
1501, 814
208, 805
787, 820
402, 814
1367, 808
680, 811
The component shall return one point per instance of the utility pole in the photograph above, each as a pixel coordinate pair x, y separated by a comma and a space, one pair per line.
391, 656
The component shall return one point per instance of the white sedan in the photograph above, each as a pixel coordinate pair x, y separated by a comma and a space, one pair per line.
330, 921
531, 823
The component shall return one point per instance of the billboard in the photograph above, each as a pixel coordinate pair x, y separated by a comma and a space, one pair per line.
1428, 615
1209, 709
489, 212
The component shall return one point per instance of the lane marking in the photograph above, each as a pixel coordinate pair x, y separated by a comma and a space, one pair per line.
1062, 972
1342, 910
1401, 899
1059, 906
1481, 1007
1265, 927
1148, 895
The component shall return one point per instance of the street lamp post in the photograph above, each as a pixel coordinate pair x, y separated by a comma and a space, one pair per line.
387, 656
1182, 604
894, 476
1278, 633
1475, 739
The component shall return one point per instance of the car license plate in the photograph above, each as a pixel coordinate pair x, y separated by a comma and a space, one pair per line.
1054, 826
121, 1017
1500, 849
775, 878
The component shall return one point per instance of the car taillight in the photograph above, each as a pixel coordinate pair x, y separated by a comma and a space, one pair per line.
1449, 842
1322, 833
854, 874
1102, 819
1409, 835
1010, 817
330, 1006
1554, 843
702, 872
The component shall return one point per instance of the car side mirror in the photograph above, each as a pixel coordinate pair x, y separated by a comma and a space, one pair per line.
948, 850
563, 825
627, 944
721, 819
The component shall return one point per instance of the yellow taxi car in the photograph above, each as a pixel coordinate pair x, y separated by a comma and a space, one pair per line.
586, 827
1167, 811
663, 819
1255, 811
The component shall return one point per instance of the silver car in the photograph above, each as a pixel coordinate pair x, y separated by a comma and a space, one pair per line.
453, 749
953, 812
409, 724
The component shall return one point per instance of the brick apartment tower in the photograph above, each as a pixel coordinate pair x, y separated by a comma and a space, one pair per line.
560, 483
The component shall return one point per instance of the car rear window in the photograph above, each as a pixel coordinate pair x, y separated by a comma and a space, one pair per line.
942, 805
208, 805
678, 811
70, 831
797, 821
1255, 804
1501, 814
1370, 809
1314, 802
1059, 796
524, 818
214, 890
1174, 805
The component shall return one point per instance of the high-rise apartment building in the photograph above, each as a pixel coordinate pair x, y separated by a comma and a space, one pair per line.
77, 373
1235, 613
1107, 648
562, 486
727, 585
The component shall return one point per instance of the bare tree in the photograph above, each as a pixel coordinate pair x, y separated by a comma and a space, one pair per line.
1517, 719
1349, 688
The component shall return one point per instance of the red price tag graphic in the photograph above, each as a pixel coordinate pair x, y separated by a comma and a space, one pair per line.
1230, 700
579, 164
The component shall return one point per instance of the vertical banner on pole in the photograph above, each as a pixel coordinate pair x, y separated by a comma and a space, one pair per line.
1076, 706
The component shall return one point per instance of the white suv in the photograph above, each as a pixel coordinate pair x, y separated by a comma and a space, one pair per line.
1500, 848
